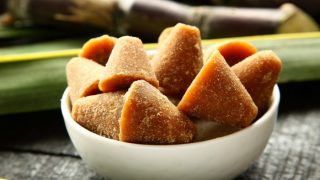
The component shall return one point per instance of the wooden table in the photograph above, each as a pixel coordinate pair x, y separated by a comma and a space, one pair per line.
36, 145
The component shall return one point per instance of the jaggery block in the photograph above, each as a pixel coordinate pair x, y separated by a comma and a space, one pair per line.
233, 51
128, 62
100, 113
148, 117
178, 59
259, 73
217, 94
98, 49
83, 77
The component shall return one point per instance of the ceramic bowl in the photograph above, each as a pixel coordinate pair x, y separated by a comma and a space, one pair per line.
220, 158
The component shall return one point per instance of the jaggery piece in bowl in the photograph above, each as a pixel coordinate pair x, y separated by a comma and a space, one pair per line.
83, 77
217, 94
233, 51
148, 117
127, 63
259, 73
178, 59
98, 49
100, 113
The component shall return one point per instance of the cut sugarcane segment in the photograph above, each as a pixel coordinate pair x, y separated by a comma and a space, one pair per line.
259, 73
83, 77
178, 60
217, 94
148, 117
128, 62
100, 113
98, 49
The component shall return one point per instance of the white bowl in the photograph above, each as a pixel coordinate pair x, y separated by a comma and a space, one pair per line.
221, 158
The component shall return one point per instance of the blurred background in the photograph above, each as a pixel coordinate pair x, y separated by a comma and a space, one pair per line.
42, 20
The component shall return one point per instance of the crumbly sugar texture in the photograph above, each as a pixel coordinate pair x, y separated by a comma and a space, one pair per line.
148, 117
127, 63
259, 73
100, 113
217, 94
178, 59
83, 77
98, 49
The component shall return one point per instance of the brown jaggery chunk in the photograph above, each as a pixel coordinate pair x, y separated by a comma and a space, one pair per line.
100, 113
98, 49
259, 73
178, 60
148, 117
128, 62
217, 94
235, 51
83, 77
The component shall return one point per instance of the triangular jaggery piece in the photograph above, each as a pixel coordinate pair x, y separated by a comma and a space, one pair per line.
128, 62
148, 117
217, 94
100, 113
83, 77
98, 49
233, 51
259, 73
178, 60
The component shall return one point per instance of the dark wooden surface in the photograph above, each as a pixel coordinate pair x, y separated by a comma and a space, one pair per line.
36, 145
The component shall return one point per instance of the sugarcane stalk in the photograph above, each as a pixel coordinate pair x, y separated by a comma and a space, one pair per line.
309, 6
147, 18
73, 14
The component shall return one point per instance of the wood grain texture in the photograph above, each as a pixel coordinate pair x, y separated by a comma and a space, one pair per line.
36, 145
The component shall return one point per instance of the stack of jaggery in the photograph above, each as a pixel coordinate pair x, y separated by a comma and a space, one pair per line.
118, 92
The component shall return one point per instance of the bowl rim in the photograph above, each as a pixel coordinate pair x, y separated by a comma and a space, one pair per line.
65, 108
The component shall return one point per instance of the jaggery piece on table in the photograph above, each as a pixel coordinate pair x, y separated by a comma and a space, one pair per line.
233, 51
83, 77
98, 49
148, 117
178, 59
217, 94
100, 113
259, 73
128, 62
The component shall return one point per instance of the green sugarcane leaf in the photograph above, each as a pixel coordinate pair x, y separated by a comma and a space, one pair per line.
32, 85
42, 47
